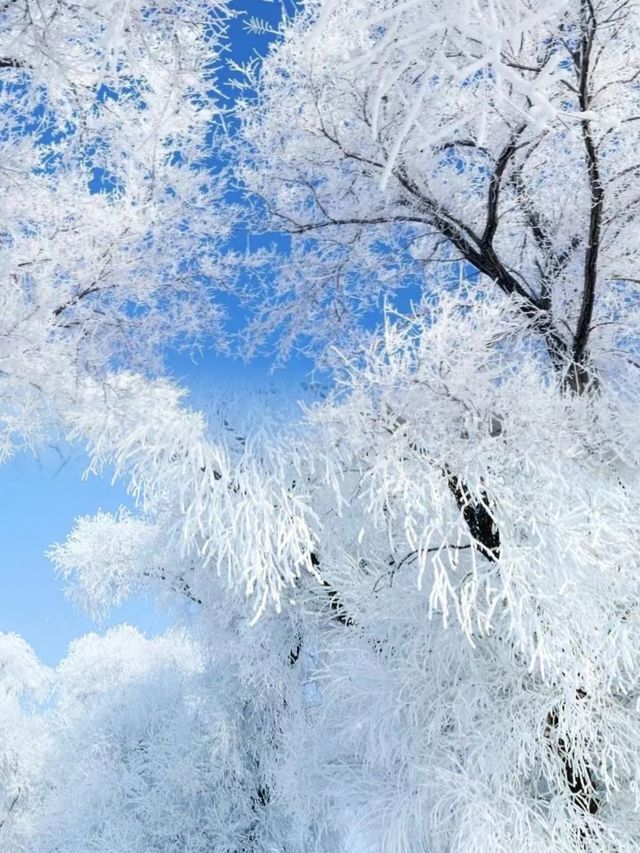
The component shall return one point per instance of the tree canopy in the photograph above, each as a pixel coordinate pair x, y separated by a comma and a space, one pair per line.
406, 617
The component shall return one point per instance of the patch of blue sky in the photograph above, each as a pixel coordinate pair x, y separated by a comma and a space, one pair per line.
41, 497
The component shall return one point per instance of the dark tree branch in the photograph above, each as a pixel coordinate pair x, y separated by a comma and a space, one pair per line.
554, 262
495, 184
82, 294
336, 605
475, 511
294, 654
581, 784
12, 805
580, 376
10, 62
178, 584
413, 555
475, 249
483, 257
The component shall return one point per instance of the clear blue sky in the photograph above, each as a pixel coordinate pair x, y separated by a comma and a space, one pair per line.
40, 498
39, 502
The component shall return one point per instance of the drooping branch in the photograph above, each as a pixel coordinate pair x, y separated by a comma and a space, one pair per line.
486, 538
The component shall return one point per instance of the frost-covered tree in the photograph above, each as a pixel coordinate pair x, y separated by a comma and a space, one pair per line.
443, 562
486, 150
157, 758
486, 558
104, 115
403, 143
24, 737
137, 747
419, 604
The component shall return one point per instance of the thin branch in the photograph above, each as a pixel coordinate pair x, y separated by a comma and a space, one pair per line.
12, 805
495, 184
413, 555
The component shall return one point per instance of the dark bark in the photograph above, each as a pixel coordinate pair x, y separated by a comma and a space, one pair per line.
336, 605
486, 537
582, 786
580, 376
477, 516
10, 62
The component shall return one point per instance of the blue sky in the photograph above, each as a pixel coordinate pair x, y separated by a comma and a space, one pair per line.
42, 496
40, 501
